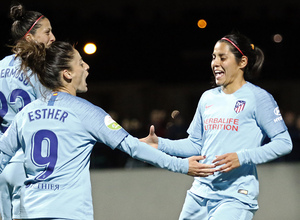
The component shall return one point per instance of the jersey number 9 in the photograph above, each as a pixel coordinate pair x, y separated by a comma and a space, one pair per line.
44, 152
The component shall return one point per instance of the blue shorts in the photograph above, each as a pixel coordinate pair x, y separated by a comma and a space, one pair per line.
11, 180
198, 208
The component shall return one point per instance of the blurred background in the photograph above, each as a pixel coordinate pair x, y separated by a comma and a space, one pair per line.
152, 61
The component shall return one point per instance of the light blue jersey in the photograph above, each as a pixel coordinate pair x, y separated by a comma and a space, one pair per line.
17, 89
57, 137
226, 123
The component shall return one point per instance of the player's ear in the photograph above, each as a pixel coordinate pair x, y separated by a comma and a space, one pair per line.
29, 37
244, 62
67, 74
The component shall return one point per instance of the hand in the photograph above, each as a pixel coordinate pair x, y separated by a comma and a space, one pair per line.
151, 139
199, 169
229, 160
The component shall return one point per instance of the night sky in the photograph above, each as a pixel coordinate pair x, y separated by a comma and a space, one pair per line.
160, 40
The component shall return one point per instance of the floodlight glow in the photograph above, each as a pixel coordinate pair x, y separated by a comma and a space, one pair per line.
90, 48
202, 23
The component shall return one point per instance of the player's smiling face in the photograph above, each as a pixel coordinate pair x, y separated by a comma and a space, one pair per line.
79, 70
227, 71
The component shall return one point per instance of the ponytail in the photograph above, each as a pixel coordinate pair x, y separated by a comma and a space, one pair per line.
46, 63
32, 55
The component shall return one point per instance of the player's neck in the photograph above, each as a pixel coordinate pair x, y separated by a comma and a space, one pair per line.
233, 87
67, 90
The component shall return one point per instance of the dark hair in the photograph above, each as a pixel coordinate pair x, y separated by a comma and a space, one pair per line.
23, 21
47, 63
255, 55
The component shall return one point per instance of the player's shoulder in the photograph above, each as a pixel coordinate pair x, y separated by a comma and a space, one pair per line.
260, 95
257, 91
9, 60
81, 105
75, 100
211, 92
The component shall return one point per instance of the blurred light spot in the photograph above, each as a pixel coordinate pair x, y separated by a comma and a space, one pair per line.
90, 48
277, 38
175, 113
202, 23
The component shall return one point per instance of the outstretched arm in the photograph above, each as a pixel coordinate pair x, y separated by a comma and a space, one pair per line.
144, 152
152, 138
181, 148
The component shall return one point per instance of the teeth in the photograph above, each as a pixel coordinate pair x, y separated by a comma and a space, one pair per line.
218, 72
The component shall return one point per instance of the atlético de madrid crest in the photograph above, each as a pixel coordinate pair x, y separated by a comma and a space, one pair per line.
239, 106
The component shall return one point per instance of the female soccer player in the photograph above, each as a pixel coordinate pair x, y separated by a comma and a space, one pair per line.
17, 90
57, 134
228, 128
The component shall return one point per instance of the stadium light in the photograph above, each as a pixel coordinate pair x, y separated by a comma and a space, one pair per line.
202, 23
90, 48
277, 38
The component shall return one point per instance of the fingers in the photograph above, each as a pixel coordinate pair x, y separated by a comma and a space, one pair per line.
200, 169
225, 163
224, 169
229, 161
152, 130
198, 158
219, 158
201, 172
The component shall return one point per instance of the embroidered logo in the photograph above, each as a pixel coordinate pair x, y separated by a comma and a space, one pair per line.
111, 124
208, 106
239, 106
277, 113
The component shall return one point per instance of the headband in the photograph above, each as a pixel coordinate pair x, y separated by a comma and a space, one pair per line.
33, 25
233, 44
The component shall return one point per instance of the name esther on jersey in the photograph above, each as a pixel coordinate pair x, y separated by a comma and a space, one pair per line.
48, 113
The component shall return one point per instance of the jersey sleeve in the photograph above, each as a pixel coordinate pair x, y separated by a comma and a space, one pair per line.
187, 147
181, 148
101, 126
268, 115
144, 152
280, 145
9, 145
271, 123
195, 129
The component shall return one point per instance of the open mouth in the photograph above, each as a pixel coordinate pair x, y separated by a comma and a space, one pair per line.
219, 74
